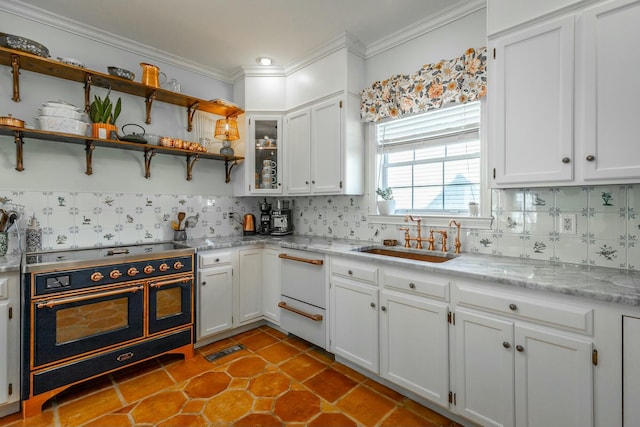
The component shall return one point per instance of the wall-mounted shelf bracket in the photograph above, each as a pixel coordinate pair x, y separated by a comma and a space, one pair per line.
15, 70
190, 164
89, 147
88, 80
19, 143
191, 111
227, 170
148, 103
148, 154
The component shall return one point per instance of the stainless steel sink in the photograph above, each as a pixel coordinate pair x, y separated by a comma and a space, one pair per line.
415, 255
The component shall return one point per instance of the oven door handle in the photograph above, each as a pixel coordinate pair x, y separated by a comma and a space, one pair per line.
184, 279
307, 260
55, 302
314, 317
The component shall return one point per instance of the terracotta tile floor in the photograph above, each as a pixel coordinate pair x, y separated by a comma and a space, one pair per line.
275, 381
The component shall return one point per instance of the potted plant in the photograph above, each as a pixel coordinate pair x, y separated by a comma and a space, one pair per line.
103, 113
387, 205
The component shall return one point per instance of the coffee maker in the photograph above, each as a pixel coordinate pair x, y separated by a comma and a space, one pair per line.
265, 218
281, 219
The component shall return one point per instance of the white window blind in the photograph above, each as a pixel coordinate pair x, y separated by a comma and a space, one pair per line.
431, 161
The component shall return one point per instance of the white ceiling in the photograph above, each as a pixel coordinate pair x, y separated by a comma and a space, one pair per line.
224, 35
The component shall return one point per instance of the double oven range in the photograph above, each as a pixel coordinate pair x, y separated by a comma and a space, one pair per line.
92, 311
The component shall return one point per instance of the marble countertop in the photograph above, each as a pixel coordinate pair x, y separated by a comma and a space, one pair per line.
599, 283
9, 263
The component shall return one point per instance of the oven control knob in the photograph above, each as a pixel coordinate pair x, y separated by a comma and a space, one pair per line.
132, 271
178, 265
115, 274
96, 277
149, 269
163, 267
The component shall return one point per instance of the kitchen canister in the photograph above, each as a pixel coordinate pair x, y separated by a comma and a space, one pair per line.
33, 235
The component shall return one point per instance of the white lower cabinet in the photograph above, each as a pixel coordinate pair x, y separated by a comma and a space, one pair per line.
215, 292
9, 343
249, 284
271, 284
414, 344
354, 322
510, 371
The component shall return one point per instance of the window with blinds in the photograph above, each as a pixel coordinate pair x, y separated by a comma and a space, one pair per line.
431, 161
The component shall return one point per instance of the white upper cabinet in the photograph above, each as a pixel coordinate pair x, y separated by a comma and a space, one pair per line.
531, 104
325, 148
608, 93
263, 156
563, 101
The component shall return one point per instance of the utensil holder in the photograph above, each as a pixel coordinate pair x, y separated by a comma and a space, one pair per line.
180, 235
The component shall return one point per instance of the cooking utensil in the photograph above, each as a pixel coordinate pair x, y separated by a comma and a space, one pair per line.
24, 44
3, 219
11, 121
133, 137
181, 216
121, 72
191, 221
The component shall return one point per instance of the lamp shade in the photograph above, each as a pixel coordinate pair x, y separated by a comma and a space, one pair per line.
227, 129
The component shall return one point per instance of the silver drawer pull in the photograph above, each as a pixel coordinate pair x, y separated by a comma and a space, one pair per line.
314, 317
513, 307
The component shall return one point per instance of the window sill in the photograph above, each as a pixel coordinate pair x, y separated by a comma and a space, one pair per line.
476, 222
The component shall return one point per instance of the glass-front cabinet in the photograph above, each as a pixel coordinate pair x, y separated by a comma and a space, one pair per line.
263, 155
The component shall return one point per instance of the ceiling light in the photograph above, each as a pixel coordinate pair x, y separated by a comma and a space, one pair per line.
263, 60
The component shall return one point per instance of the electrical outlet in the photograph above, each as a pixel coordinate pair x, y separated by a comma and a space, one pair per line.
568, 224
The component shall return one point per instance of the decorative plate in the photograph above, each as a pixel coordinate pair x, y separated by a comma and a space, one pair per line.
23, 44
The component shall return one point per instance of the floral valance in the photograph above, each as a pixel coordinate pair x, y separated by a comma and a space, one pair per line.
459, 80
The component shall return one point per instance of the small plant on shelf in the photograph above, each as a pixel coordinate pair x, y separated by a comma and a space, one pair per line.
385, 193
103, 113
386, 206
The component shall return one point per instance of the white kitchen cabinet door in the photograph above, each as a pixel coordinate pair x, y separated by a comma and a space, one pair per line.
4, 345
271, 284
553, 379
298, 143
414, 345
9, 343
250, 284
215, 300
608, 90
354, 322
531, 104
484, 376
326, 147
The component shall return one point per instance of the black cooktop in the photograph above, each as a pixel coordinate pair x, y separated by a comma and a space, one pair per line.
102, 255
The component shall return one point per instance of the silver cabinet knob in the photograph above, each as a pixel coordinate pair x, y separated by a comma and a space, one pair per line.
566, 160
506, 344
513, 307
204, 283
373, 305
412, 285
383, 308
591, 158
349, 272
520, 348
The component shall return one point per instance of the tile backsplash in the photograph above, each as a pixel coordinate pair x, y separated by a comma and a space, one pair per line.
83, 219
597, 225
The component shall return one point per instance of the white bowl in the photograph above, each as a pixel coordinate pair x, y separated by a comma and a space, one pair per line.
62, 125
60, 104
61, 112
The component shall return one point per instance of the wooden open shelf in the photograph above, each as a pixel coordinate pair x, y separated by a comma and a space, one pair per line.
25, 61
90, 144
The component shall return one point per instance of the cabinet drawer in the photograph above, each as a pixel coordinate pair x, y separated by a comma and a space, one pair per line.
355, 270
418, 282
214, 258
546, 311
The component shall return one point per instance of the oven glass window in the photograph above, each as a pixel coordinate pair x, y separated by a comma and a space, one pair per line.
168, 302
88, 320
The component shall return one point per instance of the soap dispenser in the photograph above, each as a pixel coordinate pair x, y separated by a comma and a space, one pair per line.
34, 235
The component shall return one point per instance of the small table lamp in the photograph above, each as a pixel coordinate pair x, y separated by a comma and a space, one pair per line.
227, 131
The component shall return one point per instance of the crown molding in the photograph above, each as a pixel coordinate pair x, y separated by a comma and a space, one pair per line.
453, 13
337, 43
41, 16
